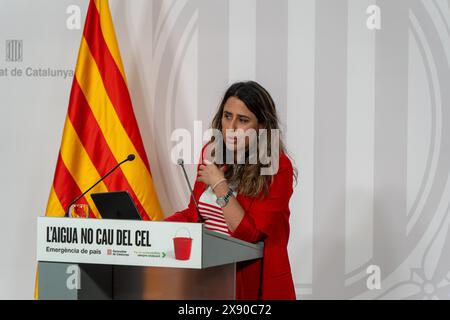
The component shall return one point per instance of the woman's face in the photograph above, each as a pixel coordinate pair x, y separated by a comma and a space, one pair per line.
237, 119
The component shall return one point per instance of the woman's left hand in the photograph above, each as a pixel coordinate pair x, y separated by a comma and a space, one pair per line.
210, 173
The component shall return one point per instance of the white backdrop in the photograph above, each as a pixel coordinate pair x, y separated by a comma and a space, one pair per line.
363, 103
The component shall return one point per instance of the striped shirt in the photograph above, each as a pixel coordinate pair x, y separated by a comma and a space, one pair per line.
212, 213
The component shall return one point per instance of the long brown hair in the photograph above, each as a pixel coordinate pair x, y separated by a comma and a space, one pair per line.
247, 176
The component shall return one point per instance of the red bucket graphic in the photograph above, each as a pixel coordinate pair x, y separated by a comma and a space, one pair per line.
182, 246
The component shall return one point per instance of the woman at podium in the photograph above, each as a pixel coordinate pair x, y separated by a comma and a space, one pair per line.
243, 188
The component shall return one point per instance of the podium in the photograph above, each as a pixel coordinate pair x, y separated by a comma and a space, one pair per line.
82, 259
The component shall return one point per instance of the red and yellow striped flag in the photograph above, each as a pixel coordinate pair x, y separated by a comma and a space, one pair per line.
100, 128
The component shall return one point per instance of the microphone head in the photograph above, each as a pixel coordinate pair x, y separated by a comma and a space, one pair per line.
131, 157
180, 162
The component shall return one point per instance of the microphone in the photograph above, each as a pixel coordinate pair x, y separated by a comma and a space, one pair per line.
130, 157
199, 216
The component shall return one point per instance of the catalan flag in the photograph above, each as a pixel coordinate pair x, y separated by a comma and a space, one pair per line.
100, 128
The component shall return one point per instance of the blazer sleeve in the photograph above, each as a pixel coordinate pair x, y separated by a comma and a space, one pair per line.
190, 213
265, 214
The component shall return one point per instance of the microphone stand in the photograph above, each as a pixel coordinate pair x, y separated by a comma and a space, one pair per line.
129, 158
199, 216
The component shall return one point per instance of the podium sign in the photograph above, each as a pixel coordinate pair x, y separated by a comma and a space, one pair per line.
123, 259
120, 242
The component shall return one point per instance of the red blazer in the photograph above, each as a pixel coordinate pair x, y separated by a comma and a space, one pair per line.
265, 220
